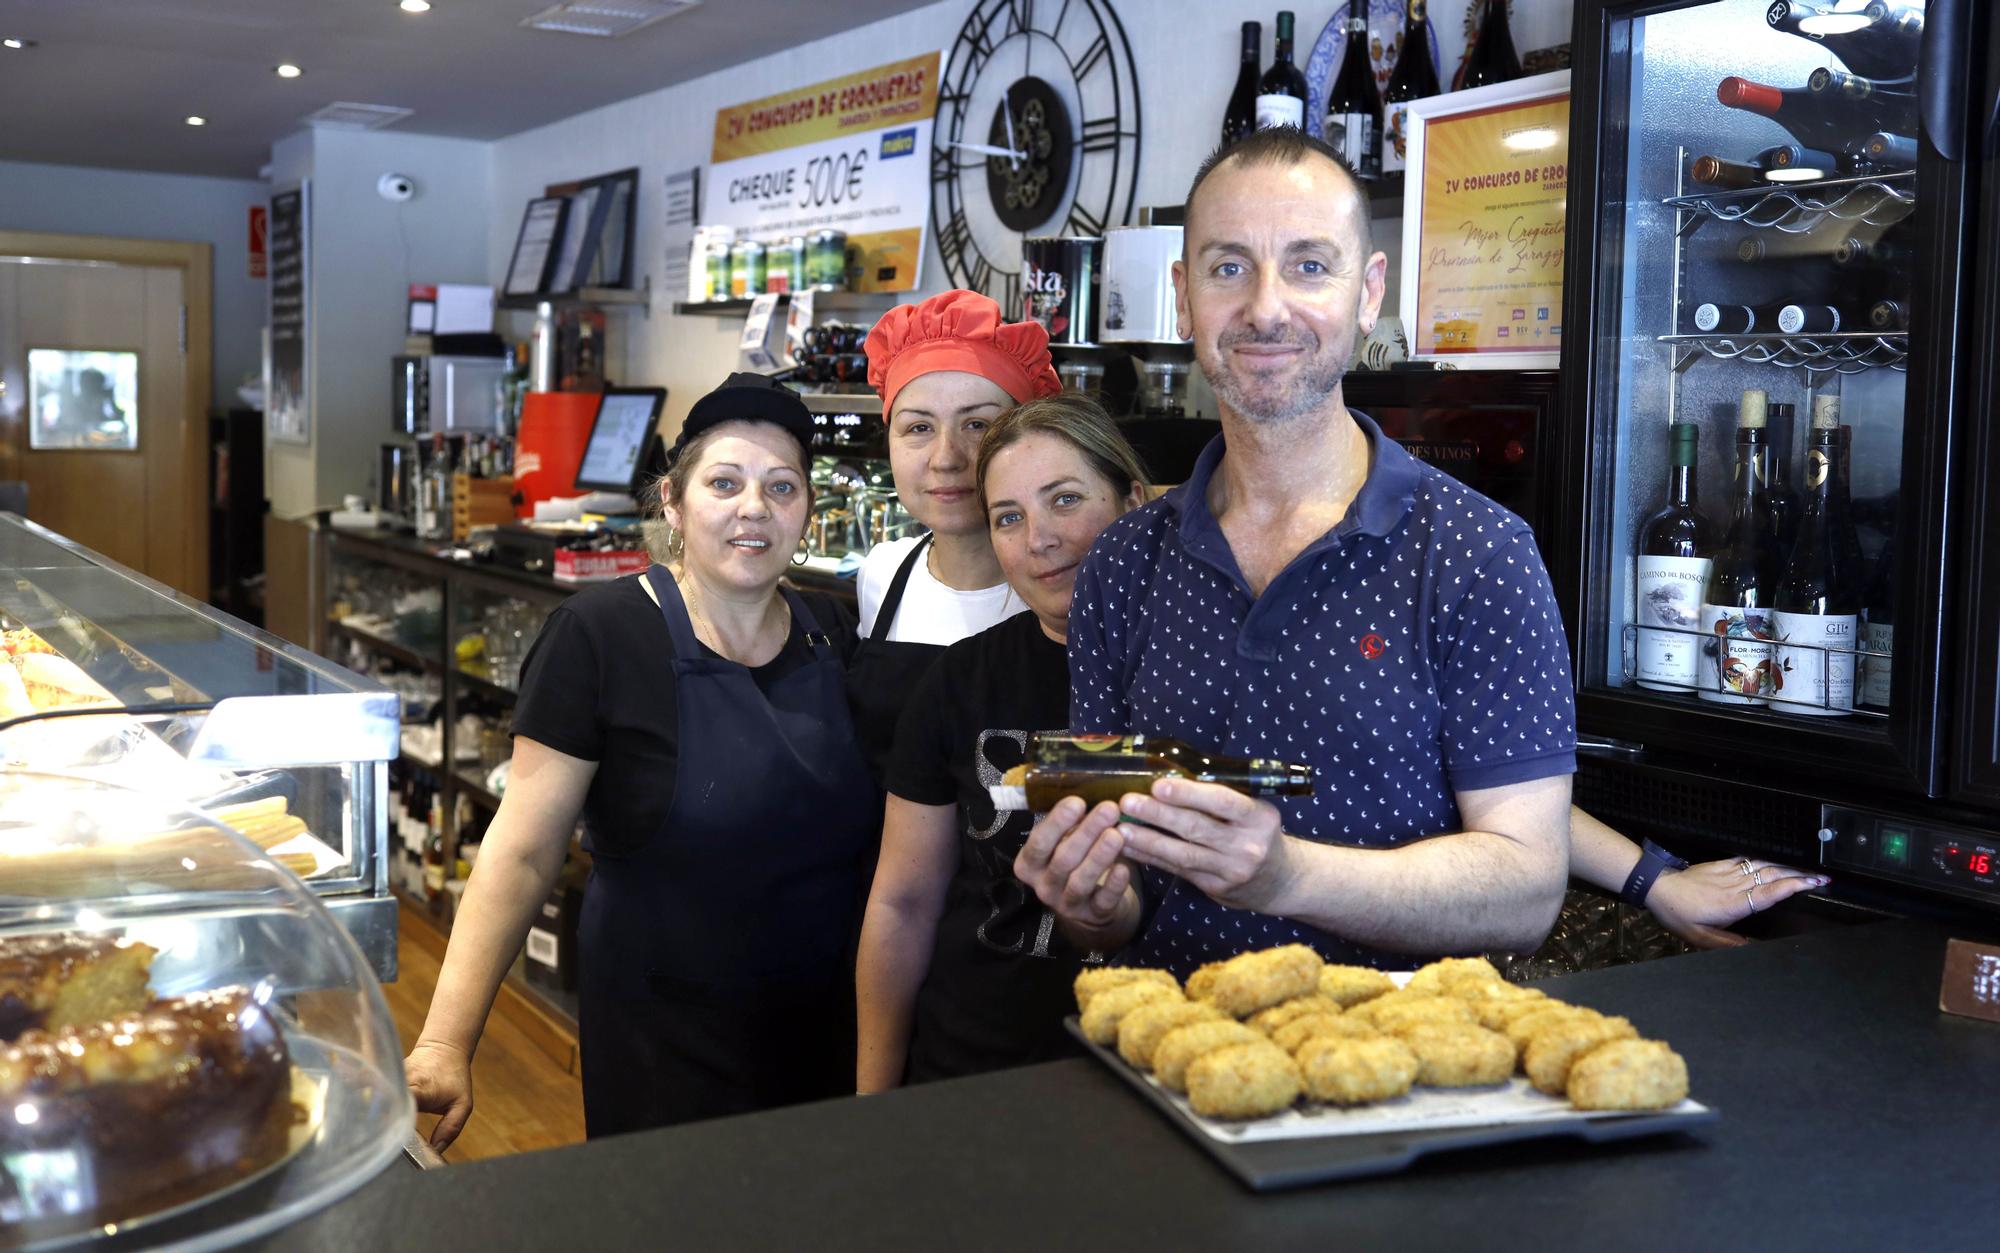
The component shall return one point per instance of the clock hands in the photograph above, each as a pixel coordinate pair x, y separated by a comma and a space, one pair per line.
1007, 114
988, 150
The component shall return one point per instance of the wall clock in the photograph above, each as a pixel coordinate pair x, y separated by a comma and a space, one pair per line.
1037, 133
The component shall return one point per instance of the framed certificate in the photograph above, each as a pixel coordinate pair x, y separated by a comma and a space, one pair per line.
1484, 216
597, 240
535, 254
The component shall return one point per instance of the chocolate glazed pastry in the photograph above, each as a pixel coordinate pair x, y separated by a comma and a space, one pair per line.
69, 979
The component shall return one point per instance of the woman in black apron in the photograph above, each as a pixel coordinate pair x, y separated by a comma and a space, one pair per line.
945, 368
696, 719
962, 969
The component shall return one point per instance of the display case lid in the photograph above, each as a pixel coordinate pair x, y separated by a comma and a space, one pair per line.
190, 1045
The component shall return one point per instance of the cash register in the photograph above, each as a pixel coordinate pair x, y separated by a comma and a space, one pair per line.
599, 538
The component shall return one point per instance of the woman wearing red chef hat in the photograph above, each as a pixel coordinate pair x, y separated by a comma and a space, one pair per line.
946, 368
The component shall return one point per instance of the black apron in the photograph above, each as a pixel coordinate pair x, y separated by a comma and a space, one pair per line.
714, 977
884, 673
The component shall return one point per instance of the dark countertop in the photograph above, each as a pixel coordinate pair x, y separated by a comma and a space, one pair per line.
1854, 1116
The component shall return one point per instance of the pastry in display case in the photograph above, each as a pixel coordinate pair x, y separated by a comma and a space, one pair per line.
192, 1049
107, 675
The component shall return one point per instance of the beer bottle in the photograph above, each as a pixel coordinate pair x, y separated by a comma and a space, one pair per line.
1106, 767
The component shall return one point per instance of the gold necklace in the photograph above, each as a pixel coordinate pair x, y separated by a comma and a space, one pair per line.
685, 582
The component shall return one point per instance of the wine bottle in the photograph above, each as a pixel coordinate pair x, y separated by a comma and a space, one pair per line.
1675, 545
1889, 316
1728, 319
1354, 107
1796, 163
1414, 78
1810, 320
1492, 58
1281, 93
1889, 105
1880, 41
1878, 635
1729, 175
1784, 501
1887, 151
1816, 121
1240, 118
1736, 603
1889, 252
1818, 604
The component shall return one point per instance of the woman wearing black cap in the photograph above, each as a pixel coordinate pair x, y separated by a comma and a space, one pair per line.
694, 717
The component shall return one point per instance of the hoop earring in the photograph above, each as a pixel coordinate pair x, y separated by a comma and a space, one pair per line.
804, 553
676, 546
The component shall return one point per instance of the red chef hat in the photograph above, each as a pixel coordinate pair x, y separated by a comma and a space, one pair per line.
959, 330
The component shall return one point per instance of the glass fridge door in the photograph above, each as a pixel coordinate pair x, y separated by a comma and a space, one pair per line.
1763, 265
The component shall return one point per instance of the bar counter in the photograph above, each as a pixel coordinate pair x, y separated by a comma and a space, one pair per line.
1854, 1116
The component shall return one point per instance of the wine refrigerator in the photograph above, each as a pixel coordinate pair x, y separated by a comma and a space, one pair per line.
1777, 539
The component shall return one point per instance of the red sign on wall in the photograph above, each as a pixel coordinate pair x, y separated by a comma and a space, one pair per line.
260, 254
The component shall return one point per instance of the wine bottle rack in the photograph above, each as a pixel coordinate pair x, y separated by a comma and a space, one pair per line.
1878, 200
1839, 353
1862, 658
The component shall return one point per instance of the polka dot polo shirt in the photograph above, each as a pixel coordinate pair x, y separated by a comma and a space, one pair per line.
1412, 652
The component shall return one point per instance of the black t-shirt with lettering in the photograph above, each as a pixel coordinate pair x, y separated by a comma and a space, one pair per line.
999, 980
598, 684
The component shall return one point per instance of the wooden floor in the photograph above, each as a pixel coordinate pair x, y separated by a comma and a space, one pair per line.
523, 1098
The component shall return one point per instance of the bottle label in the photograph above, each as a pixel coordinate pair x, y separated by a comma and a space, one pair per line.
1395, 136
1738, 663
1670, 634
1877, 637
1352, 135
1815, 673
1280, 110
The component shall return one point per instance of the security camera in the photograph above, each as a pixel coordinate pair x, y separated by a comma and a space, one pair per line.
396, 188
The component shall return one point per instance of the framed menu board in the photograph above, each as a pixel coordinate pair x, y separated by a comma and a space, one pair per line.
1484, 216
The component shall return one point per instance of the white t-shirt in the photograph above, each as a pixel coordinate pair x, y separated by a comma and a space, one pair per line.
931, 613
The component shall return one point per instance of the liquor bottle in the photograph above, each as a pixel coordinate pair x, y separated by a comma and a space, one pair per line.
1889, 316
1240, 118
1674, 558
1492, 58
1106, 767
1818, 605
1816, 121
1784, 501
1736, 604
1354, 107
1415, 78
1881, 41
1723, 319
1713, 171
1281, 93
1878, 634
1891, 105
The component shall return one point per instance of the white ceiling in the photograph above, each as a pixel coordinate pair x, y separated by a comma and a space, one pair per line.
109, 82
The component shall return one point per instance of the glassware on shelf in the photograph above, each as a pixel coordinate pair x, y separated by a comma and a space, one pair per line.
509, 627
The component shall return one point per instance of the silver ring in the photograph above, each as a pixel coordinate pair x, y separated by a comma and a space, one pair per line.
1743, 867
1758, 877
1750, 895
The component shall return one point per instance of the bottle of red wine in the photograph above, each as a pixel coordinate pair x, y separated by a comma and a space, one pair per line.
1354, 107
1881, 41
1878, 634
1716, 172
1818, 607
1888, 151
1825, 122
1888, 251
1886, 105
1736, 603
1675, 548
1811, 320
1240, 118
1796, 163
1281, 93
1784, 501
1414, 78
1492, 58
1728, 319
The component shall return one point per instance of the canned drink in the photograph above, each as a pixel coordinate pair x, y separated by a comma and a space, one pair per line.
747, 270
787, 265
718, 270
826, 260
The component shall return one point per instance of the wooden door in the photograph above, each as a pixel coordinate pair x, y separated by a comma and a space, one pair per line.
99, 425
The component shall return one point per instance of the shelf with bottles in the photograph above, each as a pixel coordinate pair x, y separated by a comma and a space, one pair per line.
1875, 199
1786, 677
1841, 352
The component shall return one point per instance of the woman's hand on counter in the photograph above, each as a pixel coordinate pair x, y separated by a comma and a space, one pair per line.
1697, 903
440, 1078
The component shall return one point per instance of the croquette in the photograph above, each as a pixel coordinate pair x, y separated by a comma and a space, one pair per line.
1628, 1074
1100, 1020
1103, 978
1357, 1071
1254, 981
1243, 1081
1141, 1031
1554, 1049
1181, 1046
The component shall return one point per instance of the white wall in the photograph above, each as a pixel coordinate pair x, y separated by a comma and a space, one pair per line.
366, 251
73, 200
1186, 51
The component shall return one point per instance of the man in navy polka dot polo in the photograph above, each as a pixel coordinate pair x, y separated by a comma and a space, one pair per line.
1314, 594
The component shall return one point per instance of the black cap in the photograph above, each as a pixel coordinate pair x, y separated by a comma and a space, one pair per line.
747, 397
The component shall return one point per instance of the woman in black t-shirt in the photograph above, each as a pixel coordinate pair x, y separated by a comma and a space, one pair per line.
961, 969
695, 717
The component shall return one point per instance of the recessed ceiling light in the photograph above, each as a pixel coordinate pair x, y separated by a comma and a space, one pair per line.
287, 70
195, 119
17, 44
415, 6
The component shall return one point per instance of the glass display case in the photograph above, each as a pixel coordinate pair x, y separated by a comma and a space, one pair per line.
192, 1051
116, 678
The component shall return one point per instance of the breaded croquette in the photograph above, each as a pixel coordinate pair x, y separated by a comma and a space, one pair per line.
1496, 1012
1357, 1071
1554, 1049
1269, 1020
1141, 1031
1202, 982
1299, 1030
1243, 1081
1107, 1008
1254, 981
1523, 1028
1628, 1074
1443, 977
1391, 1015
1351, 985
1458, 1055
1097, 979
1179, 1048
